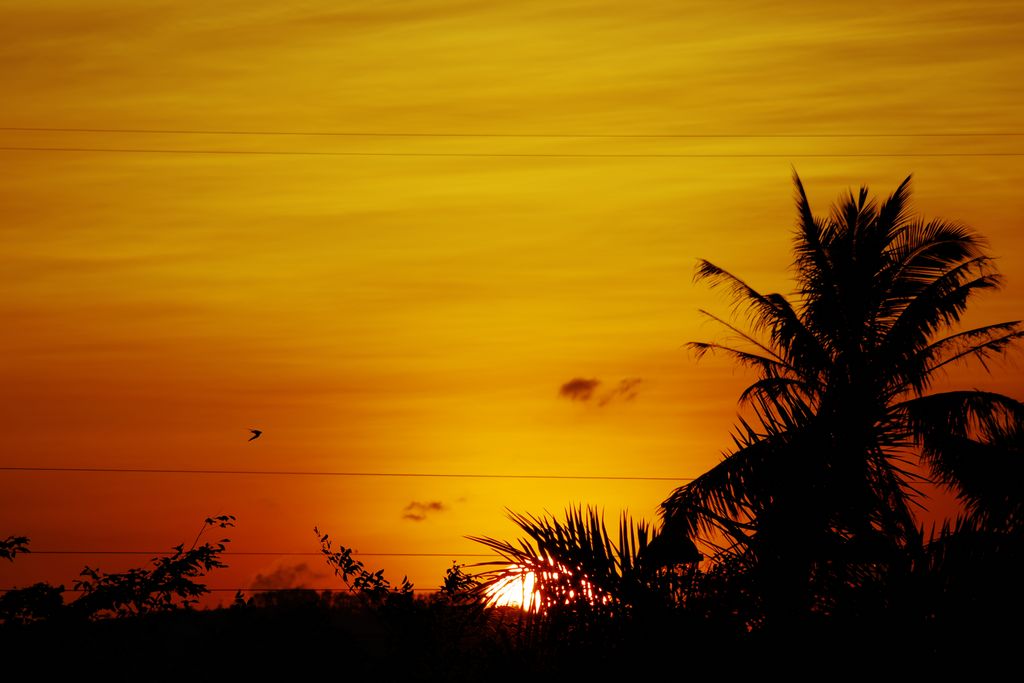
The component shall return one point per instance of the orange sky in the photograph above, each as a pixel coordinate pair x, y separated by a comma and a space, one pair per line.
419, 313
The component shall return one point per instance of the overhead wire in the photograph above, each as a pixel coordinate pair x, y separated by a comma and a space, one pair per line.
292, 473
524, 155
261, 553
441, 134
249, 590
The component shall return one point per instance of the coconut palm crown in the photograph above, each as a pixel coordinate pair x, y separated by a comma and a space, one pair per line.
842, 400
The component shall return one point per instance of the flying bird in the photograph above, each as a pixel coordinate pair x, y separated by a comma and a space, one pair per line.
255, 434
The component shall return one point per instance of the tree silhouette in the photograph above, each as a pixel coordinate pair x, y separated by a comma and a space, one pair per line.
819, 471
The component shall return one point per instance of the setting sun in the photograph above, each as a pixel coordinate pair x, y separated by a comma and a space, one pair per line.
515, 590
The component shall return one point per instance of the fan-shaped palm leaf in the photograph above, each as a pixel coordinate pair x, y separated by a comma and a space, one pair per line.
577, 563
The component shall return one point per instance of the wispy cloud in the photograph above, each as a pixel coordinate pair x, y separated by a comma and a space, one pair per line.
417, 511
626, 390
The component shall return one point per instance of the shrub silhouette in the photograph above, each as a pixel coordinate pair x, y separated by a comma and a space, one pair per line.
371, 586
13, 545
170, 584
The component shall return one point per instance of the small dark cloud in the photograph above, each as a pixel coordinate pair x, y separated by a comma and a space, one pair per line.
417, 511
287, 576
585, 390
578, 389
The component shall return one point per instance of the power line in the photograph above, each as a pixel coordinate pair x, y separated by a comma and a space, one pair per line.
435, 134
300, 473
249, 590
227, 553
523, 155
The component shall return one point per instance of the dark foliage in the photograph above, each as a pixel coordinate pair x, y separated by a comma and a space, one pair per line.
38, 602
13, 545
170, 584
371, 586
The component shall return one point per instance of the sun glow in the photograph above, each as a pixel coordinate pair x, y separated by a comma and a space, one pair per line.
519, 588
516, 589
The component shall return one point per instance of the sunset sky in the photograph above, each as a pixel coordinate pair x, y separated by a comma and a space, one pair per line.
410, 293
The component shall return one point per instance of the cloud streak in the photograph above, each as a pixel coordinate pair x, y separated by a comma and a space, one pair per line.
626, 390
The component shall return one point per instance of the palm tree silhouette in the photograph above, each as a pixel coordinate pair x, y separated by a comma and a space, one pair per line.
819, 471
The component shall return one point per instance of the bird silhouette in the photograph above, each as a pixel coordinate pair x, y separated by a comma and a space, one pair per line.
255, 434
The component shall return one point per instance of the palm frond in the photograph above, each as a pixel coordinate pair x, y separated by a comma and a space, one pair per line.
894, 211
974, 443
727, 498
992, 345
744, 297
747, 338
767, 365
776, 390
920, 251
575, 562
772, 314
812, 237
938, 304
